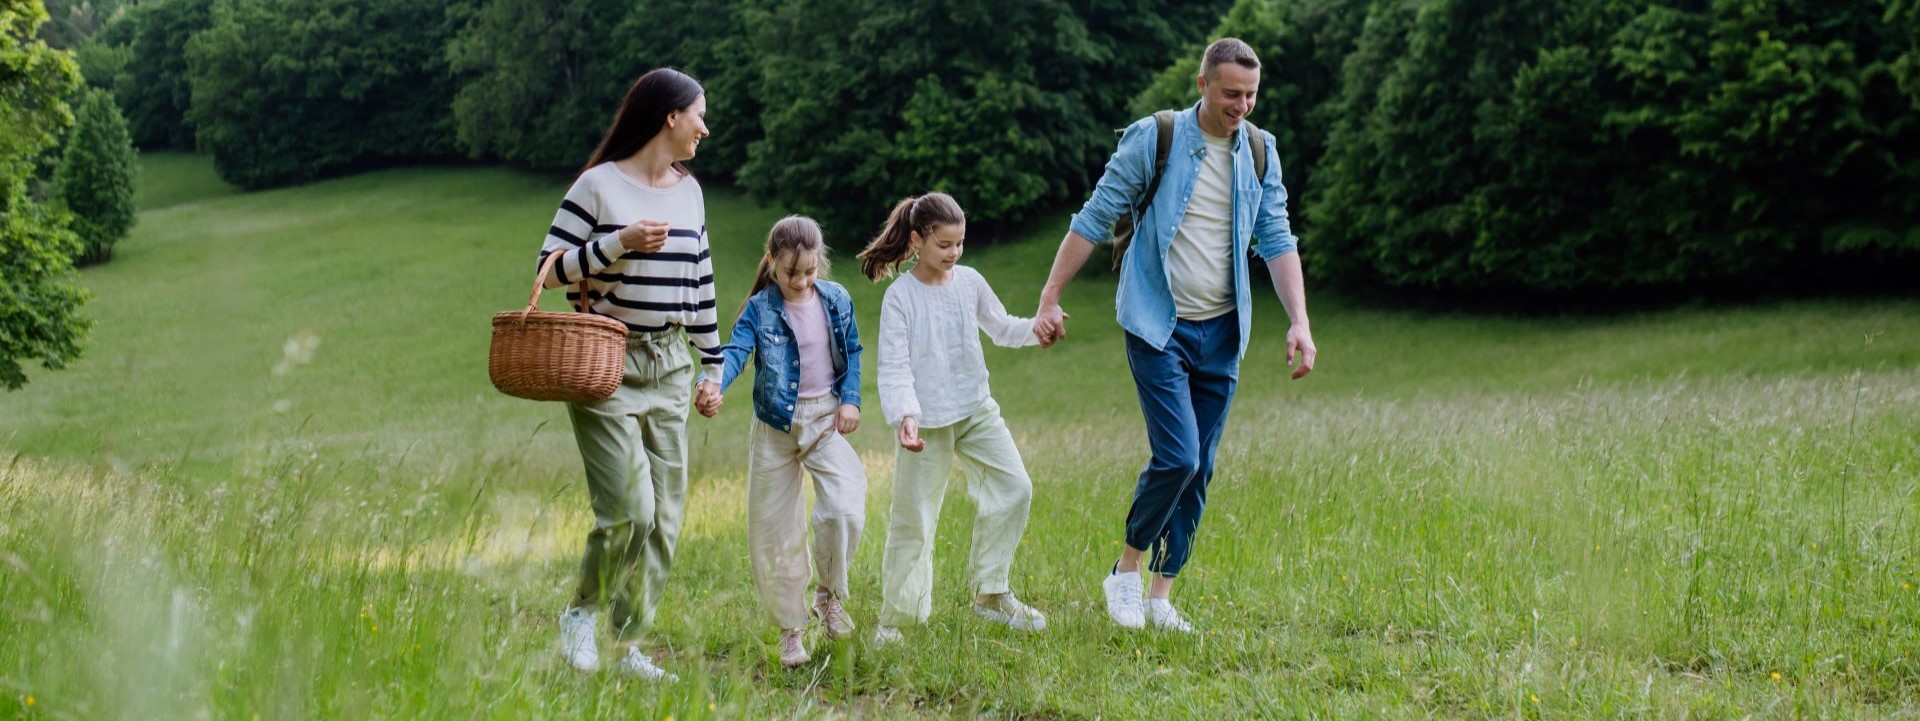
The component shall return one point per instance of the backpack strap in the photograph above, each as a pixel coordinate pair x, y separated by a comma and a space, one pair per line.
1162, 147
1257, 142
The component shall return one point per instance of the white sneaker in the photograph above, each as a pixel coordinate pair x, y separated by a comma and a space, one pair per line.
792, 651
1004, 608
638, 665
833, 616
1162, 614
577, 639
884, 635
1123, 599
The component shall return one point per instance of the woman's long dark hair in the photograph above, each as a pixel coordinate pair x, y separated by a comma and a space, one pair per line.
643, 114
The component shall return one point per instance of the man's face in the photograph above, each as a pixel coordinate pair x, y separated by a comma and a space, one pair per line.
1227, 97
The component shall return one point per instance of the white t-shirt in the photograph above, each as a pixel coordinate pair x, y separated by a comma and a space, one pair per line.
1200, 258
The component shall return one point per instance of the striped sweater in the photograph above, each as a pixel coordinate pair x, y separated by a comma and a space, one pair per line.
649, 292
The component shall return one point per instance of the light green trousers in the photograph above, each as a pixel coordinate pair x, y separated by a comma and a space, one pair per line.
997, 483
634, 445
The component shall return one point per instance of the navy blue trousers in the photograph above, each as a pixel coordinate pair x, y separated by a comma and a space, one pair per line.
1185, 391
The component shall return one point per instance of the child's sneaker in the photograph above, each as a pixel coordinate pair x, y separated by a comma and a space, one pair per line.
833, 616
637, 664
577, 639
885, 635
1004, 608
1162, 614
1123, 599
792, 651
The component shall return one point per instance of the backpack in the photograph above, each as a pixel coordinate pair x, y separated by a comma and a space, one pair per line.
1163, 144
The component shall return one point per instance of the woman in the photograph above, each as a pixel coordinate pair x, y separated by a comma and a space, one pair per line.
633, 233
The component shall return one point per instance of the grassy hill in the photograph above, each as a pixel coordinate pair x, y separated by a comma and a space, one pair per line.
280, 484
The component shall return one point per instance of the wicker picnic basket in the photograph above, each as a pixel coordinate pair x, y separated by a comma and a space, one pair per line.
545, 356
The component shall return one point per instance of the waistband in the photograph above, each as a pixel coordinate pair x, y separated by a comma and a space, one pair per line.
636, 339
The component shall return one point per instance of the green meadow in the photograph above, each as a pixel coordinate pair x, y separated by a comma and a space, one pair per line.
280, 486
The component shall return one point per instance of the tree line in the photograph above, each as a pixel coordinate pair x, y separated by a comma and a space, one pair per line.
1452, 145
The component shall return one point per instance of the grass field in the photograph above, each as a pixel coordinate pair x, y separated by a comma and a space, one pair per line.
279, 485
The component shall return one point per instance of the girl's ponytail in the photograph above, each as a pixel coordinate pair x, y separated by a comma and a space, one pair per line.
891, 247
911, 215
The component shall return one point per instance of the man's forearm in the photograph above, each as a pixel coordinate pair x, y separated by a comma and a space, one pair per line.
1291, 284
1074, 251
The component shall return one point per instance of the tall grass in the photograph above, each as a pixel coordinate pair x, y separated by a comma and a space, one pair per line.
1701, 513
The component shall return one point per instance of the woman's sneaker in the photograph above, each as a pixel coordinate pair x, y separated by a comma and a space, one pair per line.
833, 616
577, 639
1162, 614
792, 651
1004, 608
638, 665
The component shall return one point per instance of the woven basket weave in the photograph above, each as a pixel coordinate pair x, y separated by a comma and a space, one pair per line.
544, 356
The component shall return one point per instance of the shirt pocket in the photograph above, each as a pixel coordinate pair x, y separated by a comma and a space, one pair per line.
1246, 206
772, 332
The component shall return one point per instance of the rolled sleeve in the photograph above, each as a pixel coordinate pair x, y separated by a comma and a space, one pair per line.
1272, 231
1120, 185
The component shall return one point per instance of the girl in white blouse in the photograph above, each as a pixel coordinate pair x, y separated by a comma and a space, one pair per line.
933, 388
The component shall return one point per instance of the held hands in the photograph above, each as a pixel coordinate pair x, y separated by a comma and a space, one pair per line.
910, 435
646, 236
1300, 345
1050, 324
848, 419
708, 400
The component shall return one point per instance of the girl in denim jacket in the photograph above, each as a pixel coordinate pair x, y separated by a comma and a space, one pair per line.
806, 394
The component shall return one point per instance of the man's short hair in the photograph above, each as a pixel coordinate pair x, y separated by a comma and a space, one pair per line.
1228, 50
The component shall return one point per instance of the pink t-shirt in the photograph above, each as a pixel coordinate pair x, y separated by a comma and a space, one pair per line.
809, 323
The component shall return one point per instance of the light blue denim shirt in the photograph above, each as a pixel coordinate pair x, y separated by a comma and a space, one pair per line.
1145, 300
762, 327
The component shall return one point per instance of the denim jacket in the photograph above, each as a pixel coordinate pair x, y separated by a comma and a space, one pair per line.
1145, 300
776, 367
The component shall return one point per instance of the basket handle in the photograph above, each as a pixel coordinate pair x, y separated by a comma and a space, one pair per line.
546, 266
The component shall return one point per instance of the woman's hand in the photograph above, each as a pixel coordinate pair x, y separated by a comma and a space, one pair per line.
646, 236
910, 435
848, 420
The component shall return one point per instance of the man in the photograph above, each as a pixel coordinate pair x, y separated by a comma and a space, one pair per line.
1186, 306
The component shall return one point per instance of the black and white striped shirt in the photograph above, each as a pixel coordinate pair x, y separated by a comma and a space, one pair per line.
649, 292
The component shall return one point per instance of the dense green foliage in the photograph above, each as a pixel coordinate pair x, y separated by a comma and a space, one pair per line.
70, 23
1628, 143
39, 300
1007, 107
95, 179
1450, 145
540, 79
153, 88
290, 90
